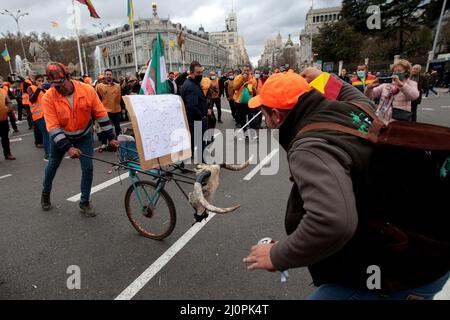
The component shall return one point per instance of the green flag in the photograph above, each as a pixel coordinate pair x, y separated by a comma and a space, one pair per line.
155, 80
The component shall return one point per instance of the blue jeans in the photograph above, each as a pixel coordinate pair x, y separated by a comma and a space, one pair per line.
85, 144
338, 292
40, 124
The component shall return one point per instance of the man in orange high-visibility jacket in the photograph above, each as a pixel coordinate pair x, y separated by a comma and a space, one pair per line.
68, 108
36, 94
215, 95
26, 105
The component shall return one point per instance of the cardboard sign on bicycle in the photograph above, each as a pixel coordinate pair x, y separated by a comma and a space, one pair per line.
161, 129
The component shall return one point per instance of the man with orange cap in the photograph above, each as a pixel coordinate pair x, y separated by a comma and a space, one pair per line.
68, 110
328, 205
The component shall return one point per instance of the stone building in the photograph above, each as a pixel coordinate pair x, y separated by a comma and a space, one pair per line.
118, 50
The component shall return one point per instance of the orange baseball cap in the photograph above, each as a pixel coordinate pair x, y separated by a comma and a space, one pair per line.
281, 91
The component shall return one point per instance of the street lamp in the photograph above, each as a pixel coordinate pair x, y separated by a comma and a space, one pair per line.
16, 17
101, 26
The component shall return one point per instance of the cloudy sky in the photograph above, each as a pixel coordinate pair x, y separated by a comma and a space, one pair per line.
258, 20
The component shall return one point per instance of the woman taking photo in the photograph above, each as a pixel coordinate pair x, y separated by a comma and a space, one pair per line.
396, 97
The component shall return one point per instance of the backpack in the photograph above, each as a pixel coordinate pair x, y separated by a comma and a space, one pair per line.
405, 194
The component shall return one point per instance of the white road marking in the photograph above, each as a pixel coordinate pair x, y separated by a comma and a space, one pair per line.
23, 135
156, 266
15, 139
226, 110
262, 164
101, 186
5, 176
428, 109
445, 106
444, 294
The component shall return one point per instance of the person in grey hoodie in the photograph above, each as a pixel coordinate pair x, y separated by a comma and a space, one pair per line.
327, 229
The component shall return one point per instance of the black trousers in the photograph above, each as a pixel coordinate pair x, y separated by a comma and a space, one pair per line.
244, 114
232, 108
4, 130
12, 119
28, 114
217, 102
19, 109
414, 106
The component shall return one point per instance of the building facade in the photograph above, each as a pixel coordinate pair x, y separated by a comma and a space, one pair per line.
231, 40
277, 54
118, 50
315, 18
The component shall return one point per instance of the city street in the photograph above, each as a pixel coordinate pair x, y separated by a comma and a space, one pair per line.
116, 262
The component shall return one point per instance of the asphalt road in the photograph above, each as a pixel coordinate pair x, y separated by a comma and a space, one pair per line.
36, 247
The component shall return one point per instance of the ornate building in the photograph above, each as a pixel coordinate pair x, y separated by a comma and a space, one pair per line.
118, 51
278, 54
315, 18
230, 39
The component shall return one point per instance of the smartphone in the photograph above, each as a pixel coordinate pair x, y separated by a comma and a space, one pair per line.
385, 79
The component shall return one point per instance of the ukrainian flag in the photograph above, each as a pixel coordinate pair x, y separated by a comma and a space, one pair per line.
5, 55
130, 12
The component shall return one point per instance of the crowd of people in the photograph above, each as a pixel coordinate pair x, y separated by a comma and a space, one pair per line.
322, 216
397, 95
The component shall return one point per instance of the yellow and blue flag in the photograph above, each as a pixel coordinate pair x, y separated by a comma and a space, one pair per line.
130, 12
5, 55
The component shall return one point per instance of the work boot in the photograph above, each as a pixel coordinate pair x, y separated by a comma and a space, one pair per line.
87, 209
45, 201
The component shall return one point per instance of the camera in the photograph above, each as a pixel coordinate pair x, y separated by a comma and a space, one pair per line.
385, 79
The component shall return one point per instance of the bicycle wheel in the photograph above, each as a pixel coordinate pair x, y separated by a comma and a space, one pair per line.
151, 212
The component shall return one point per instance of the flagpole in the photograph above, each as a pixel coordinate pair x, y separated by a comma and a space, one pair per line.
10, 67
85, 61
170, 55
78, 38
134, 44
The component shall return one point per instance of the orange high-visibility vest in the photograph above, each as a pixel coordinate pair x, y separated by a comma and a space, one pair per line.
3, 107
25, 96
37, 108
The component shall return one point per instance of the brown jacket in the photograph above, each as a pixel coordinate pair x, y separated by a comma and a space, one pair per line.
110, 94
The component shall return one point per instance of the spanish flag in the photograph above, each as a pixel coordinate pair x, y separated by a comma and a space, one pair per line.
91, 8
328, 85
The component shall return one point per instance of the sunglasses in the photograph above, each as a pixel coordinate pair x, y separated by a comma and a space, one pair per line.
58, 83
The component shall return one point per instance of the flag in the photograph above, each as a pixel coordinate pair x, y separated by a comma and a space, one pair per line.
105, 52
328, 85
180, 40
155, 79
55, 24
91, 8
130, 12
5, 55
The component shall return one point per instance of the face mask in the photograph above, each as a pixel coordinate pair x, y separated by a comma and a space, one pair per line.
213, 78
361, 74
198, 79
231, 78
257, 76
401, 75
